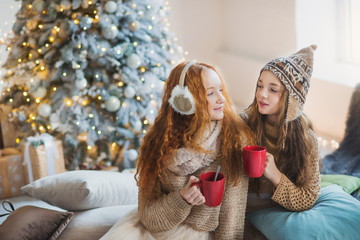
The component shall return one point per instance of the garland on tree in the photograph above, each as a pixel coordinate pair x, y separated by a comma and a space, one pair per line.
89, 72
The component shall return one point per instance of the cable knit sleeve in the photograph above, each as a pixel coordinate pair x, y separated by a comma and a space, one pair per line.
232, 212
295, 198
165, 213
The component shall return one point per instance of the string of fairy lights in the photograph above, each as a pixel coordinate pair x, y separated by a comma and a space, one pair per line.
327, 145
34, 62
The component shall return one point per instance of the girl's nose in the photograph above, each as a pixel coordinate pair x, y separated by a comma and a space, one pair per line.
221, 98
263, 93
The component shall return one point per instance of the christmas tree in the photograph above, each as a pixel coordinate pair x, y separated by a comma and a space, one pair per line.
90, 72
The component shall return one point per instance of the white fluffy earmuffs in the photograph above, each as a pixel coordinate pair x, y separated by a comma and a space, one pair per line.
181, 98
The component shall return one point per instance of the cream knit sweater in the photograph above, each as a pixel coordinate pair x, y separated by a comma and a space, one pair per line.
171, 210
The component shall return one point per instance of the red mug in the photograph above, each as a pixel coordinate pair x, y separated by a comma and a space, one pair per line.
254, 160
213, 191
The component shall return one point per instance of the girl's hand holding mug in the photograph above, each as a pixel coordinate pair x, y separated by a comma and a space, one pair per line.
191, 193
271, 172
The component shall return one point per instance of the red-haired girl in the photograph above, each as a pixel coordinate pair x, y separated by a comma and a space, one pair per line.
196, 130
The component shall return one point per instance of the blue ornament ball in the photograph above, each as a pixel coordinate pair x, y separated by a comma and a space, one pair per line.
112, 104
132, 154
110, 32
65, 4
85, 22
40, 92
44, 110
133, 61
129, 92
110, 7
81, 83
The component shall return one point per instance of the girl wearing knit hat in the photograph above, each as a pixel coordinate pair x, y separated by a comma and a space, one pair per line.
194, 133
291, 175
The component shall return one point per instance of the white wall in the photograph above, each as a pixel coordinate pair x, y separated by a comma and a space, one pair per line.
8, 10
199, 27
246, 35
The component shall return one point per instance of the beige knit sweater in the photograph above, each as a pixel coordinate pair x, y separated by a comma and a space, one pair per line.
171, 210
287, 194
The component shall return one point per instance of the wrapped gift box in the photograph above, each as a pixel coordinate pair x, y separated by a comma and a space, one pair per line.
45, 159
8, 131
12, 175
110, 169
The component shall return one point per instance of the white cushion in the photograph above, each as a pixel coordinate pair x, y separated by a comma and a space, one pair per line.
94, 223
85, 189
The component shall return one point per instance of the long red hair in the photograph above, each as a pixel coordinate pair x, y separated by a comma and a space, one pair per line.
172, 130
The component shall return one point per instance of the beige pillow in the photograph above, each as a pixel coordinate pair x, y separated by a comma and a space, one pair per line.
30, 222
85, 189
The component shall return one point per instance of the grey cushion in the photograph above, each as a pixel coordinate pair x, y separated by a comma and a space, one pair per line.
30, 222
